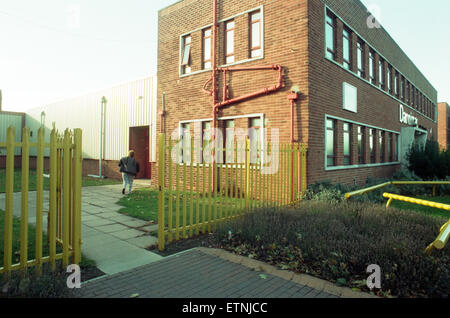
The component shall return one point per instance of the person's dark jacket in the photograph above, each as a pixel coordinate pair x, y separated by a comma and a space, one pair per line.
129, 165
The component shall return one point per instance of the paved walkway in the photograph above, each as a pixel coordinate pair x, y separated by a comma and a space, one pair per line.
197, 274
115, 241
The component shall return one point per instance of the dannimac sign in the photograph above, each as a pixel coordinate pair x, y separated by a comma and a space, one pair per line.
406, 118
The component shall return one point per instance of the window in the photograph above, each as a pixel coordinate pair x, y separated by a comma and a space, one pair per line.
255, 34
186, 55
186, 143
255, 140
402, 89
389, 79
381, 73
330, 36
229, 42
347, 144
350, 97
206, 139
207, 49
372, 67
347, 48
360, 58
408, 93
371, 145
389, 141
395, 146
396, 84
361, 141
331, 143
381, 145
229, 141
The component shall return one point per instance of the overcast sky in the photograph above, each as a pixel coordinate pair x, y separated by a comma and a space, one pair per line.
55, 49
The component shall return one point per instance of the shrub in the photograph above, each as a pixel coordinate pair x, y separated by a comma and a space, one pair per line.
337, 242
48, 285
428, 161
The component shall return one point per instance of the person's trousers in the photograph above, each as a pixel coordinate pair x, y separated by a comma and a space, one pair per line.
127, 180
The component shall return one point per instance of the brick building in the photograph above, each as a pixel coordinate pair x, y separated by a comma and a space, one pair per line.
444, 125
361, 101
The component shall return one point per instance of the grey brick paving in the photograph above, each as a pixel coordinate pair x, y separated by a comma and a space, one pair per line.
194, 274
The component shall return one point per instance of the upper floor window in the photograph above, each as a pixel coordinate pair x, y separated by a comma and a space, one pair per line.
207, 49
408, 93
402, 89
347, 48
360, 58
186, 55
396, 84
372, 67
330, 36
229, 42
381, 73
255, 34
389, 79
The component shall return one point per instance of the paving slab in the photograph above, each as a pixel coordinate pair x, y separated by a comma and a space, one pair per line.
143, 241
110, 228
127, 234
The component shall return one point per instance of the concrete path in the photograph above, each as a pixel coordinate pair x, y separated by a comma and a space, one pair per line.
115, 241
196, 274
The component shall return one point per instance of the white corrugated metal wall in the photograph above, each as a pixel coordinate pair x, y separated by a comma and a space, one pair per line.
7, 120
131, 104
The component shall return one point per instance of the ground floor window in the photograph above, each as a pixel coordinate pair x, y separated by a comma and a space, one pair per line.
331, 143
347, 144
361, 142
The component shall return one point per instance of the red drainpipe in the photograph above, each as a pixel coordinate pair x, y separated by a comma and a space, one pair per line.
214, 87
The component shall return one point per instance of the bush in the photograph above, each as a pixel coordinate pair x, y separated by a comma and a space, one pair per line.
337, 242
48, 285
428, 161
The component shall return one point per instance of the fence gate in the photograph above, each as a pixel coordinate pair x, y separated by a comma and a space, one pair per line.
64, 202
196, 193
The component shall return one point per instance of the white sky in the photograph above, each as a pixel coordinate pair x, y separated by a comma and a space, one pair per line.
49, 52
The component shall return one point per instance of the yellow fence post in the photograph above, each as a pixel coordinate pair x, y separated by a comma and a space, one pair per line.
66, 197
161, 181
7, 262
77, 171
39, 198
247, 172
53, 196
24, 212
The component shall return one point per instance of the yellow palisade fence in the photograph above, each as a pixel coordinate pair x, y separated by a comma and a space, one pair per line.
197, 193
64, 215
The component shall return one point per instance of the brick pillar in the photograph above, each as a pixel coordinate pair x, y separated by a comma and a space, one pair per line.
354, 147
366, 61
241, 38
339, 143
354, 53
339, 49
376, 70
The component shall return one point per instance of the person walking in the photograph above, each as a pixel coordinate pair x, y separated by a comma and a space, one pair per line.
129, 168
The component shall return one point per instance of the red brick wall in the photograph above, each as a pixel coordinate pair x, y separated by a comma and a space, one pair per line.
294, 38
443, 128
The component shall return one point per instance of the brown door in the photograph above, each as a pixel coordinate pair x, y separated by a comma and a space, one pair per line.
139, 142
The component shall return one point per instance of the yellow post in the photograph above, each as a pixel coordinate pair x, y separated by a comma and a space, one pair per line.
66, 197
77, 171
39, 198
161, 178
170, 206
24, 212
434, 190
247, 172
53, 197
7, 257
